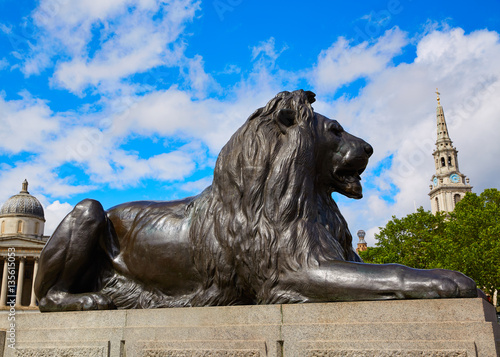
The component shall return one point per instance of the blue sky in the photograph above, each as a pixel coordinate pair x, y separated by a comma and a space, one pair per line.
122, 100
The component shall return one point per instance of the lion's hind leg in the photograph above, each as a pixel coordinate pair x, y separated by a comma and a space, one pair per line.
73, 264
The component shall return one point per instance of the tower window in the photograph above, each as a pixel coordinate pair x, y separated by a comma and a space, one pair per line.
449, 161
456, 198
437, 205
19, 226
37, 226
442, 162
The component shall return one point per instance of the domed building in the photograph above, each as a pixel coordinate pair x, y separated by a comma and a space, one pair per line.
22, 214
362, 246
22, 223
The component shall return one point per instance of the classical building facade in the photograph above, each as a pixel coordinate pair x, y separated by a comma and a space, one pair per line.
21, 241
449, 185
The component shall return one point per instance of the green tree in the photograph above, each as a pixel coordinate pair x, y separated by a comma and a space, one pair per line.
472, 239
409, 241
466, 240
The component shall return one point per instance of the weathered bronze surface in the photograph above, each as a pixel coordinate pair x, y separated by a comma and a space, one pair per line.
266, 231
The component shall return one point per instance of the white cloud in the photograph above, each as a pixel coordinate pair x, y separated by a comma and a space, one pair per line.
267, 49
5, 29
199, 80
265, 72
174, 112
98, 154
453, 50
26, 124
197, 186
128, 168
129, 36
70, 23
3, 63
54, 214
230, 69
342, 63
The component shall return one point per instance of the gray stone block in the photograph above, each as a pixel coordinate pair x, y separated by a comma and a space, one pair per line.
454, 327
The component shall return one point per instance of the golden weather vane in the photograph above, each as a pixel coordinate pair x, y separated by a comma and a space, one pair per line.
437, 92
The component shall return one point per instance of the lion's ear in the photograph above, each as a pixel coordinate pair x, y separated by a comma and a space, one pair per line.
285, 118
310, 96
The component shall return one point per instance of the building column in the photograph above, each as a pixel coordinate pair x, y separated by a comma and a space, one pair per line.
3, 294
33, 297
20, 281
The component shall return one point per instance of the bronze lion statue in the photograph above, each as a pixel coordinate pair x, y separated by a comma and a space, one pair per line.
266, 231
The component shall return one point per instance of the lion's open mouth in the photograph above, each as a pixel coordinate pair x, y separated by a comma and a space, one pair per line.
348, 182
348, 175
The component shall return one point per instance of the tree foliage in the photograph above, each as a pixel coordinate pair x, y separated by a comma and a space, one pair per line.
467, 240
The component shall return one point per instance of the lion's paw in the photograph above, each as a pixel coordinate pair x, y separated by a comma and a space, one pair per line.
453, 284
62, 301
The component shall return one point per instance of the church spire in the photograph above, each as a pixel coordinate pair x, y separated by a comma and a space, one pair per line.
449, 185
443, 136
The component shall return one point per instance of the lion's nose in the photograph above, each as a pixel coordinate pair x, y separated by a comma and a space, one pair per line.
368, 149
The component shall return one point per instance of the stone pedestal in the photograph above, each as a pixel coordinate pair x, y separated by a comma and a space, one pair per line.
455, 327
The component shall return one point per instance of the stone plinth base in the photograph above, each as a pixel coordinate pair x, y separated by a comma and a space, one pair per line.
455, 327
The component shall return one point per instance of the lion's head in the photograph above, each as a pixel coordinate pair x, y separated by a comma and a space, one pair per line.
286, 142
341, 158
270, 206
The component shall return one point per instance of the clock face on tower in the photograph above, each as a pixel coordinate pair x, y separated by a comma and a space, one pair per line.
435, 181
454, 178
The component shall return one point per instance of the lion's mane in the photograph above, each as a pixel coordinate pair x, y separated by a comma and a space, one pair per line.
264, 214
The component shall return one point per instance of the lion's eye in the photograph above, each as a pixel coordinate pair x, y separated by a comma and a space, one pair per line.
335, 127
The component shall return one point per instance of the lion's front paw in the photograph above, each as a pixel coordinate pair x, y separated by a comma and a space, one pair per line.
62, 301
452, 284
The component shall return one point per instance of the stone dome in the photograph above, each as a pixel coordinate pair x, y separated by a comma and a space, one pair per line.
23, 204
